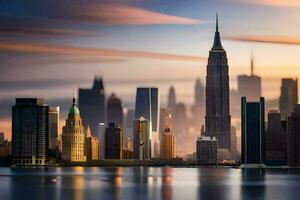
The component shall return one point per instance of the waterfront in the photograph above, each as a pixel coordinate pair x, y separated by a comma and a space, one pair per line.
148, 183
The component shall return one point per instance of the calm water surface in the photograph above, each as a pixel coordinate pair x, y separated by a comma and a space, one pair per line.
145, 183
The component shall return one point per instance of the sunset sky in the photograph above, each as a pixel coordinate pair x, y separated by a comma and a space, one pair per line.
49, 47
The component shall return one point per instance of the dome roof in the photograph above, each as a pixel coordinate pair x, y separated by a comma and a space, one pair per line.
74, 110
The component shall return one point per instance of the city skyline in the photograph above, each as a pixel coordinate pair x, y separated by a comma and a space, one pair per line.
181, 24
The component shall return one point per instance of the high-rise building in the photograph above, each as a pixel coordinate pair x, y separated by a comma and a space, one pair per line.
276, 140
207, 151
172, 98
114, 110
73, 136
92, 146
113, 142
92, 105
293, 137
29, 131
168, 139
233, 144
53, 127
1, 137
129, 117
101, 138
288, 97
141, 139
198, 107
147, 105
250, 86
218, 119
253, 131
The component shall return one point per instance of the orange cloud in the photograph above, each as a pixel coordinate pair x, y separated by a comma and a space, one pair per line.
47, 49
280, 3
264, 39
127, 15
31, 31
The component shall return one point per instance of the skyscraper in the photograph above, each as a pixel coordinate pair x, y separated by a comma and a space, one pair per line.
172, 98
92, 146
29, 131
293, 137
147, 105
276, 140
101, 138
1, 137
168, 139
92, 105
218, 119
53, 127
253, 131
141, 139
198, 107
288, 97
113, 142
73, 137
206, 151
114, 110
250, 86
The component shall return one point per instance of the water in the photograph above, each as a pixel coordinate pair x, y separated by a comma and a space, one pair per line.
145, 183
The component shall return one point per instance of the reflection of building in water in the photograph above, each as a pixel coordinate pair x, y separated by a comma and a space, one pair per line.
73, 185
254, 177
167, 183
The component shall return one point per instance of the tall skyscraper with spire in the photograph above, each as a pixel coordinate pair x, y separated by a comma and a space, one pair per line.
218, 119
250, 86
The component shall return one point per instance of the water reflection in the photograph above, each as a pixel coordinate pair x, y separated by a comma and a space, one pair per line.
148, 183
253, 186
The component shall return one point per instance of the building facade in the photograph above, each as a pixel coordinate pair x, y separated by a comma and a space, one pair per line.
141, 139
113, 142
207, 151
101, 138
29, 131
218, 119
92, 105
73, 136
253, 131
293, 138
276, 140
53, 127
114, 110
168, 138
288, 97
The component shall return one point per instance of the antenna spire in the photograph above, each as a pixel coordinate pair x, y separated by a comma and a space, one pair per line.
73, 100
217, 22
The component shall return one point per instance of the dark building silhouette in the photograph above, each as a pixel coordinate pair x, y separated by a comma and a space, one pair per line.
92, 105
250, 86
198, 107
113, 142
233, 144
218, 119
293, 137
276, 140
141, 139
253, 131
172, 98
29, 131
115, 110
288, 97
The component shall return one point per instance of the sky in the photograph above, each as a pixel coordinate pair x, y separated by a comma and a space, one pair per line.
50, 47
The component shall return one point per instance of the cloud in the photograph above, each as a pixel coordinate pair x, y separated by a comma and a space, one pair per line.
270, 39
47, 49
125, 15
276, 3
